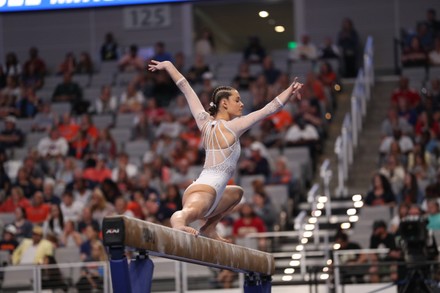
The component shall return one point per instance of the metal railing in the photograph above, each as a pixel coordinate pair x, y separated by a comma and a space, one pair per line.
348, 140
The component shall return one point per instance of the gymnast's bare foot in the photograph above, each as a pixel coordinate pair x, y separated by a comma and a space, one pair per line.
211, 233
187, 229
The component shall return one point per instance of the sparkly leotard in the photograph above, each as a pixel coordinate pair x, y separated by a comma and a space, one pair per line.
221, 156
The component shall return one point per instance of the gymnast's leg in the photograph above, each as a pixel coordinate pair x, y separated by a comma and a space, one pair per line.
230, 198
196, 202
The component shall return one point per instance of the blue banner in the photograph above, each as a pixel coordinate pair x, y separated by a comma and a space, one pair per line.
32, 5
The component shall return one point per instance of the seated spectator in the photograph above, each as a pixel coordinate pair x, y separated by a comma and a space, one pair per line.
91, 233
380, 237
32, 78
132, 100
160, 53
204, 45
25, 183
393, 121
168, 127
380, 193
5, 181
270, 71
38, 211
349, 270
247, 223
80, 146
67, 127
301, 133
425, 122
12, 66
11, 136
86, 125
99, 172
92, 275
265, 210
69, 91
49, 192
431, 22
244, 78
254, 52
305, 50
64, 174
32, 251
348, 42
327, 75
79, 188
196, 71
44, 120
34, 63
51, 276
53, 146
123, 163
414, 54
54, 223
180, 111
255, 164
70, 237
68, 65
14, 200
410, 192
9, 96
85, 64
281, 120
329, 50
71, 208
121, 207
424, 173
87, 220
404, 141
151, 207
433, 210
434, 55
171, 201
402, 212
107, 103
131, 61
34, 170
395, 173
407, 112
9, 241
269, 135
99, 206
28, 104
109, 49
23, 226
164, 90
105, 144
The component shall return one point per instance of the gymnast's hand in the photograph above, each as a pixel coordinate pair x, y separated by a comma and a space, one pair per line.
296, 87
156, 65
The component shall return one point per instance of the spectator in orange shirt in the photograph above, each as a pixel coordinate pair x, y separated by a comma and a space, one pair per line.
99, 172
67, 127
87, 125
14, 200
316, 87
38, 212
80, 146
405, 92
281, 119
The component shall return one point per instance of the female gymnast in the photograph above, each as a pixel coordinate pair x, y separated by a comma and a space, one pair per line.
209, 198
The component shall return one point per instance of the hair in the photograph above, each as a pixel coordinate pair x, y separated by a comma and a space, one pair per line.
220, 93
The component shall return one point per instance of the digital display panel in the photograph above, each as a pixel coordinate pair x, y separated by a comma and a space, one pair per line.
32, 5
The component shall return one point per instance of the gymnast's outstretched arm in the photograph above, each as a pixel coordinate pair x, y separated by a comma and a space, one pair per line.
241, 124
196, 107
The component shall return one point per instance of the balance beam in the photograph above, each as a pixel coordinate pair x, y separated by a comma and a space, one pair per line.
178, 245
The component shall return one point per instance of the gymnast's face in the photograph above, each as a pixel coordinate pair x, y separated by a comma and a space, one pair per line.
233, 104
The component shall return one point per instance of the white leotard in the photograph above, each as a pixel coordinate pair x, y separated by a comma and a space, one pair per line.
221, 156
